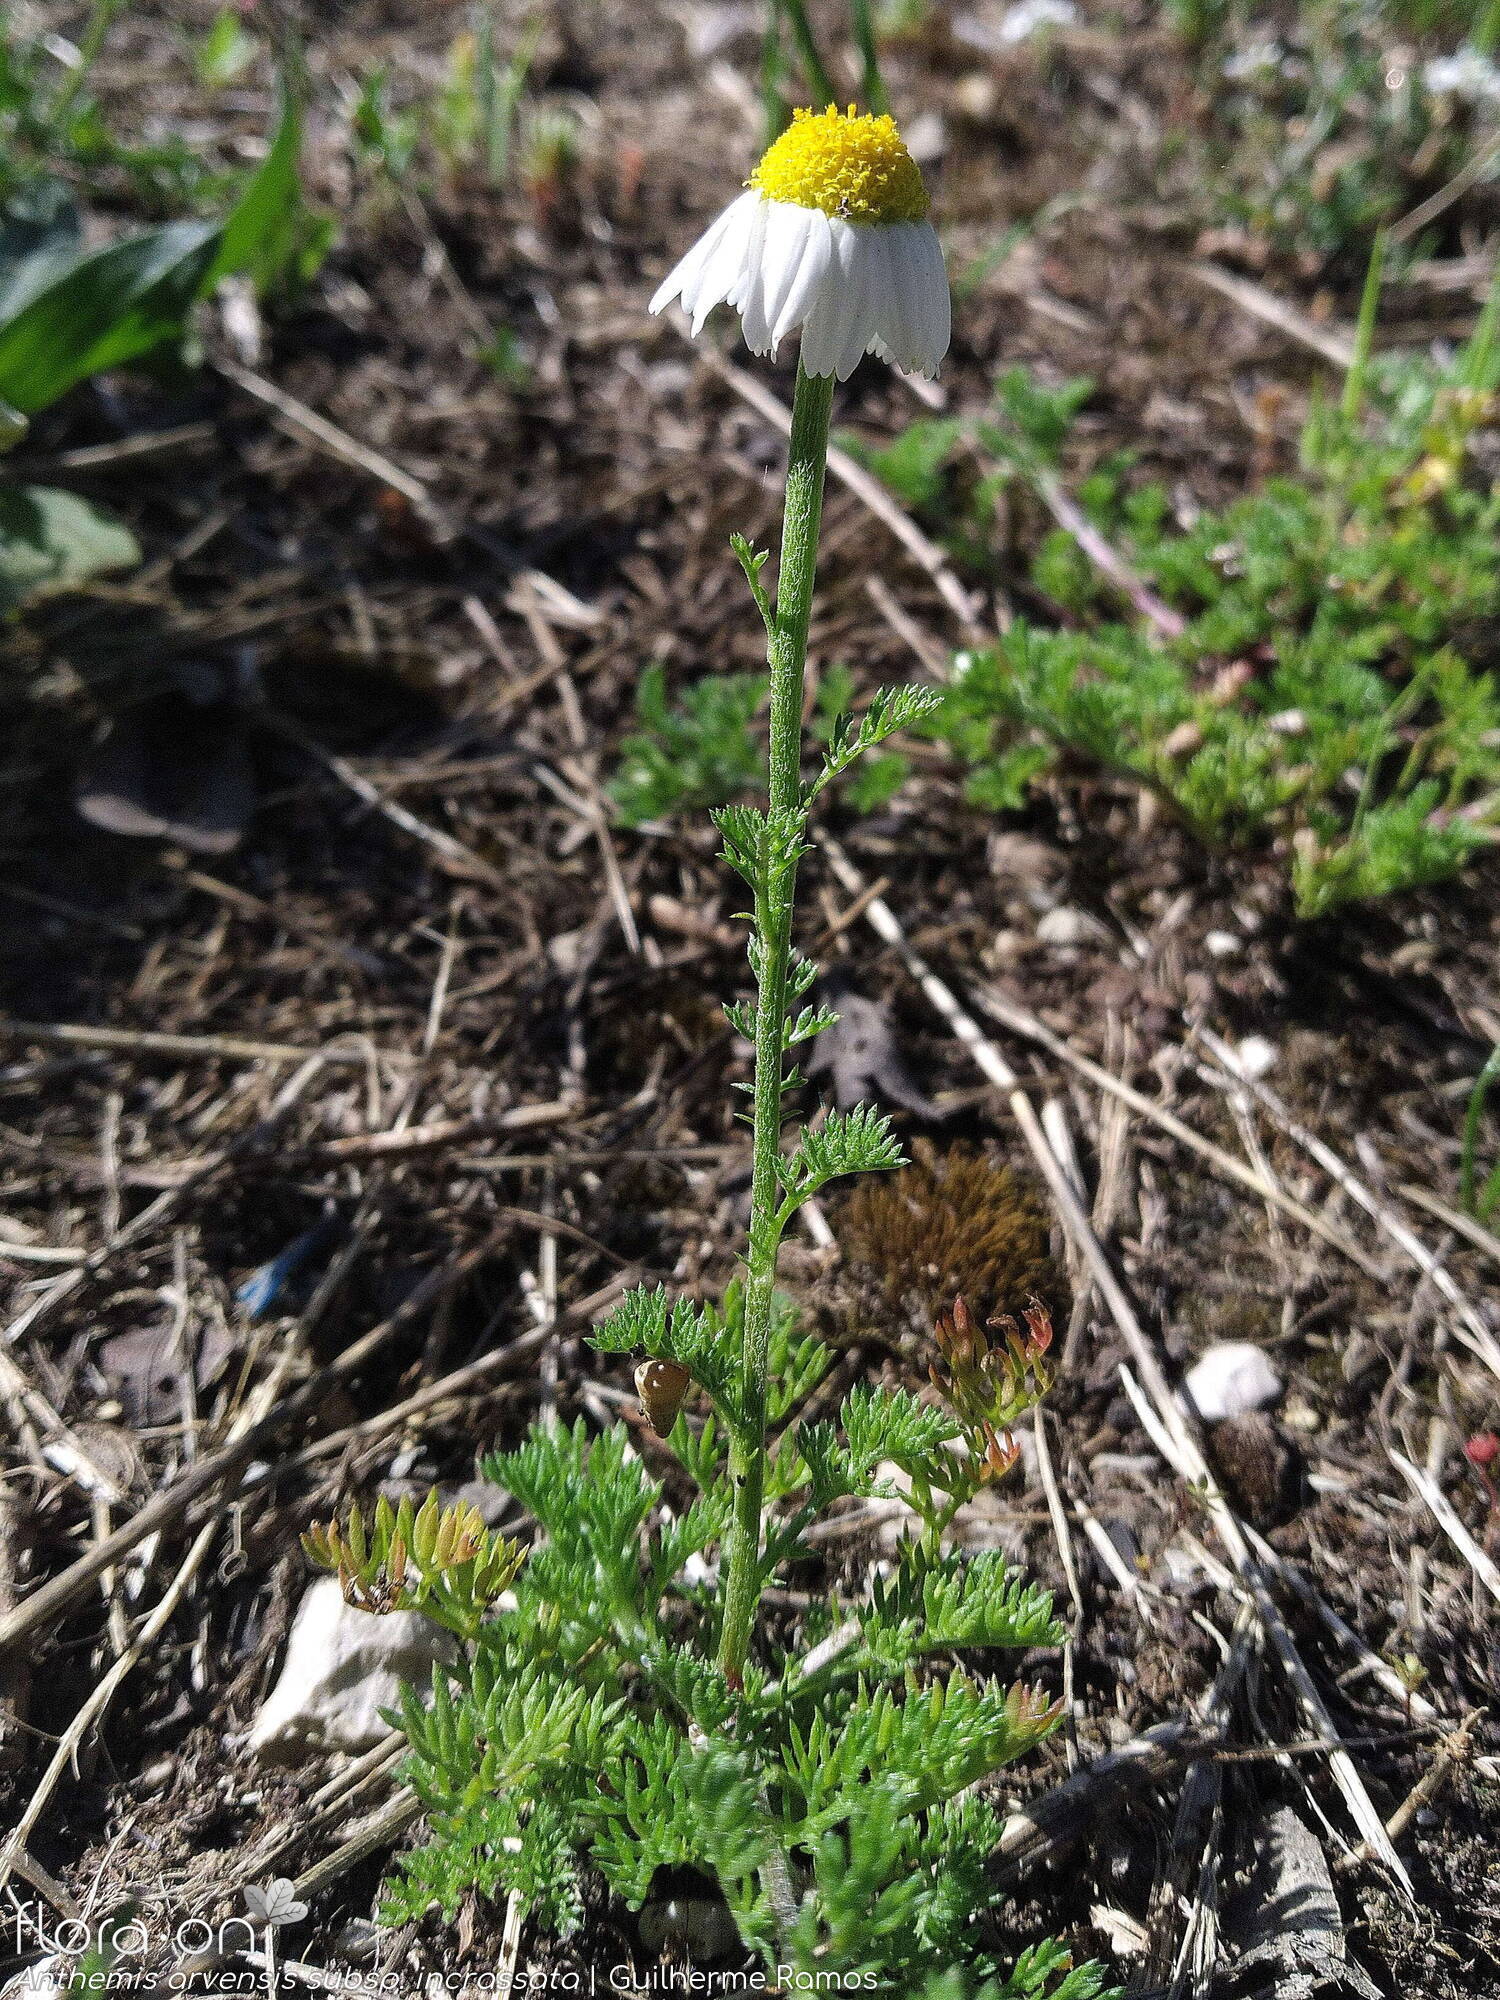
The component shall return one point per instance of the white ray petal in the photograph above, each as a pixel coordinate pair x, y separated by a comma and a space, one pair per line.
685, 274
937, 304
779, 257
880, 307
820, 352
808, 281
751, 294
723, 271
902, 321
787, 227
850, 334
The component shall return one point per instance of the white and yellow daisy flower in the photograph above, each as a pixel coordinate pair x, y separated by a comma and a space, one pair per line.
831, 235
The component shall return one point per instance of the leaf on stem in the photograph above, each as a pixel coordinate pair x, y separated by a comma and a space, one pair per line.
849, 1142
675, 1331
752, 562
890, 709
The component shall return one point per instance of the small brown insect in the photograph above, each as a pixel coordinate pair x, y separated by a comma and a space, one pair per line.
662, 1387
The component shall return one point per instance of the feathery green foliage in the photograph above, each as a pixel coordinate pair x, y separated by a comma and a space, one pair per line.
1329, 691
590, 1724
701, 752
624, 1707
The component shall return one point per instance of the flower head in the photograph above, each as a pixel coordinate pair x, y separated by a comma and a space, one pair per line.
830, 236
989, 1384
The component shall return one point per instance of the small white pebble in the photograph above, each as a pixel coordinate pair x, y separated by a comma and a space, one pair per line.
1067, 926
1256, 1056
342, 1667
1028, 16
1466, 74
1230, 1379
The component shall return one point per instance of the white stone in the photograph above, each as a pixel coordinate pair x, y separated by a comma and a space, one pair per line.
1068, 926
1229, 1380
1467, 75
1178, 1569
1028, 17
1256, 1056
342, 1667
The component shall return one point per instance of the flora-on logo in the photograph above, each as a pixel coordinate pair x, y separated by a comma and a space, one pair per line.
274, 1903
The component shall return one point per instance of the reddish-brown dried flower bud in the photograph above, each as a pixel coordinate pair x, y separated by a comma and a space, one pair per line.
1000, 1453
988, 1383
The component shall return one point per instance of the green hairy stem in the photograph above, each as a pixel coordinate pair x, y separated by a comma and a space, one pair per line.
787, 657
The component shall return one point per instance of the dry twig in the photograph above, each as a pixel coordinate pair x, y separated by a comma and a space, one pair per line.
1428, 1490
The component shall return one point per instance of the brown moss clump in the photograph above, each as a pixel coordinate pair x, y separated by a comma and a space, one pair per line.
946, 1226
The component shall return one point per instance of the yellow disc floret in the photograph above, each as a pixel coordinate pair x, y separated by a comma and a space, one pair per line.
847, 165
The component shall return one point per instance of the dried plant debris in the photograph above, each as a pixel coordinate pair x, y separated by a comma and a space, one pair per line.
1288, 1925
167, 771
149, 1367
1259, 1467
859, 1055
948, 1225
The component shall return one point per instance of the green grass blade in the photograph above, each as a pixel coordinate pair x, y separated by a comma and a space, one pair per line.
819, 82
1364, 333
773, 71
871, 82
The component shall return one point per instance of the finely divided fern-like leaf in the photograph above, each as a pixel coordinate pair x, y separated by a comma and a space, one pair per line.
647, 1321
849, 1142
959, 1600
591, 1495
890, 709
892, 1424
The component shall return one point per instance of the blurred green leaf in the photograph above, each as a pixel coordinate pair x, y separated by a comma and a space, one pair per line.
40, 236
225, 51
267, 230
67, 313
506, 359
49, 539
912, 464
108, 307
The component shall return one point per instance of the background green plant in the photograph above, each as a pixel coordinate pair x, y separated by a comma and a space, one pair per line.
1324, 123
795, 68
69, 311
707, 748
1330, 693
1480, 1197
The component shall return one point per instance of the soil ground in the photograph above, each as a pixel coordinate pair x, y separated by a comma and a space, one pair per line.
511, 1007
